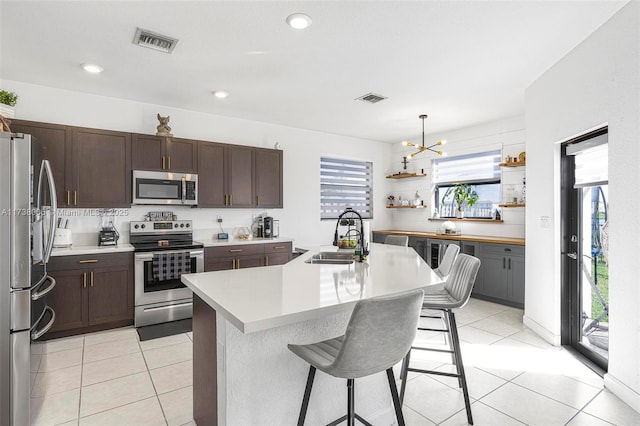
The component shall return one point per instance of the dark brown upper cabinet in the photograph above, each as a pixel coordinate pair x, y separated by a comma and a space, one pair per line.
161, 153
90, 166
99, 173
238, 176
211, 175
56, 140
268, 178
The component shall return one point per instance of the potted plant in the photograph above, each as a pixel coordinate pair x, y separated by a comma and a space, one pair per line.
461, 193
7, 102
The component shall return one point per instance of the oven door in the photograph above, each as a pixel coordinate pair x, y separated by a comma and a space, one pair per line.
149, 289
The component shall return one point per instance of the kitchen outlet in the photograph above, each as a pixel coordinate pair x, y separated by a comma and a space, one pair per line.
219, 218
544, 222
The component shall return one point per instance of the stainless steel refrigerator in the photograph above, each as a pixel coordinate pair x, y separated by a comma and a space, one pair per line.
28, 214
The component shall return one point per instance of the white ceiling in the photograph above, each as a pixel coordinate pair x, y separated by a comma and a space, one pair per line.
461, 62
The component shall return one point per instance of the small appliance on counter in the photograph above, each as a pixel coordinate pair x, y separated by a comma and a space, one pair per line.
62, 238
108, 235
268, 227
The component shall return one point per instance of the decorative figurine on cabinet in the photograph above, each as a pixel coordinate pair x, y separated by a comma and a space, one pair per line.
163, 128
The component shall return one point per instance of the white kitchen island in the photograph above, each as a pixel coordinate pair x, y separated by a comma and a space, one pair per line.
243, 319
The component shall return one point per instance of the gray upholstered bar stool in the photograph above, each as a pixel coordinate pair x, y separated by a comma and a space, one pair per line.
449, 257
397, 240
378, 336
454, 294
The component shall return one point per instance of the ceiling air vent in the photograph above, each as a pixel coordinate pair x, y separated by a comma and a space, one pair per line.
154, 41
372, 98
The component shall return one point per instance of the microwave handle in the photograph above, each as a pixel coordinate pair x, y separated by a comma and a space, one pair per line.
184, 189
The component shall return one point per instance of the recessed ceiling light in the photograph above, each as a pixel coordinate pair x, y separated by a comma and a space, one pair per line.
220, 94
92, 68
299, 21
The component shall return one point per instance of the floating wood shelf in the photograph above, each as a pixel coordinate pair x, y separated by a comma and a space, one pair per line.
512, 205
513, 164
406, 175
406, 207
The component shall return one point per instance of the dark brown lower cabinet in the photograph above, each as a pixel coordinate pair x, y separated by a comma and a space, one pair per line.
92, 292
241, 256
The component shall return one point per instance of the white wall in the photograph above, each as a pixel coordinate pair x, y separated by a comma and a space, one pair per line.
507, 134
300, 217
598, 82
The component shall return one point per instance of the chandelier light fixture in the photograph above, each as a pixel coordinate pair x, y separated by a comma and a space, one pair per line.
423, 148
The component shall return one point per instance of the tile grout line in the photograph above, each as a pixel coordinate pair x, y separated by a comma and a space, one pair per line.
587, 404
81, 376
164, 415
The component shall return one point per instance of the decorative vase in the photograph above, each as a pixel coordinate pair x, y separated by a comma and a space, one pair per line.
459, 214
7, 111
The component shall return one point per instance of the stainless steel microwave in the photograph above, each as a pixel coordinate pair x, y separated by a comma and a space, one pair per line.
165, 188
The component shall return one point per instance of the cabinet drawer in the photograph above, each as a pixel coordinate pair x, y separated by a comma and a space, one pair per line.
236, 250
272, 248
60, 263
502, 249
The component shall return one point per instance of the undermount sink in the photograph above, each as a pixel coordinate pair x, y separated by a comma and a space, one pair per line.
331, 258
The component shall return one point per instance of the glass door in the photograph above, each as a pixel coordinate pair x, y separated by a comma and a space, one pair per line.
585, 208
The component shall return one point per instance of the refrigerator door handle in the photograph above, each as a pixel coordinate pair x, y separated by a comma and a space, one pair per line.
35, 333
53, 217
41, 293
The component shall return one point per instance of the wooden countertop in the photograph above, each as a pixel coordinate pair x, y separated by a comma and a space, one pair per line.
463, 237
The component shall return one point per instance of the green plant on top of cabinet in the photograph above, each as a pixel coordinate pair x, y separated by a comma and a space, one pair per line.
160, 153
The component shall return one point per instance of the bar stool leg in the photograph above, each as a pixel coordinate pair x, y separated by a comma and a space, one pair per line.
403, 375
459, 365
454, 355
351, 415
307, 395
394, 395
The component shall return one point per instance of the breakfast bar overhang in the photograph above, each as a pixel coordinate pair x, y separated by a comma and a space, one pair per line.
243, 373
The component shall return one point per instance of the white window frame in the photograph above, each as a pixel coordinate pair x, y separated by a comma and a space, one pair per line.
345, 183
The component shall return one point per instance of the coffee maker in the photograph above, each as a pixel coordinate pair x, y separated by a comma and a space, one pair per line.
108, 235
268, 227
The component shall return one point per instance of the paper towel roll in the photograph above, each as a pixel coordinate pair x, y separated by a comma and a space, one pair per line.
367, 234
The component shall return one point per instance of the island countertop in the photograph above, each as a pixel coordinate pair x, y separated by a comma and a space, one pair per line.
256, 299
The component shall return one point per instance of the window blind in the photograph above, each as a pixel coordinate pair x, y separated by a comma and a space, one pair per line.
479, 167
345, 183
591, 167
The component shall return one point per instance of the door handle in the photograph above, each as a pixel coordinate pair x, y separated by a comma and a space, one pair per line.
75, 197
233, 264
503, 263
509, 263
230, 199
257, 200
84, 280
40, 294
36, 334
573, 256
68, 198
163, 163
235, 250
266, 260
169, 163
91, 280
45, 168
238, 263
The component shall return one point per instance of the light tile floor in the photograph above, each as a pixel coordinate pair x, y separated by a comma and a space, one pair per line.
111, 378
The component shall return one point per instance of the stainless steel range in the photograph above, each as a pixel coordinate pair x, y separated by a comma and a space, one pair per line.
164, 250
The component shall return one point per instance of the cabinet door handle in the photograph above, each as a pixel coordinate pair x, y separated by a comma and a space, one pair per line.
278, 247
163, 161
230, 199
233, 264
257, 200
68, 198
84, 280
238, 263
503, 263
75, 197
169, 163
226, 199
509, 263
235, 250
266, 261
91, 280
88, 261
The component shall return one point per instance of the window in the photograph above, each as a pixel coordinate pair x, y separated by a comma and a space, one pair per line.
345, 183
481, 171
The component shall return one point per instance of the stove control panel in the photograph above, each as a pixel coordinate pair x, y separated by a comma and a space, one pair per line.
160, 227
